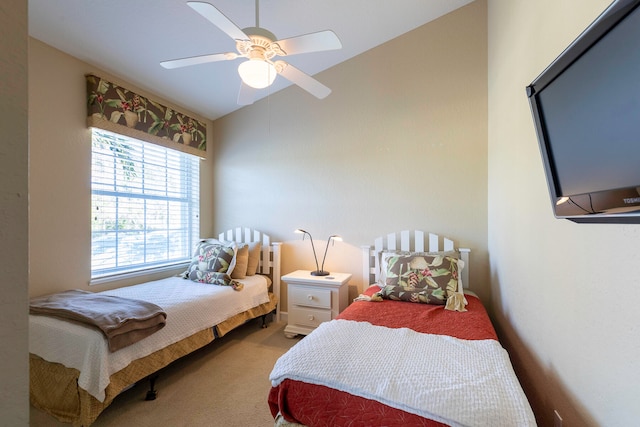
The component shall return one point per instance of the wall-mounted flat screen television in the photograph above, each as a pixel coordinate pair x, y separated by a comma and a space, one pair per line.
586, 111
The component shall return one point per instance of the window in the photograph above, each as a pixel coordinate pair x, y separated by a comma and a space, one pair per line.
144, 205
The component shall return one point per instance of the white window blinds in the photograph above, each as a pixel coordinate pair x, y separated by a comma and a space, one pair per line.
145, 204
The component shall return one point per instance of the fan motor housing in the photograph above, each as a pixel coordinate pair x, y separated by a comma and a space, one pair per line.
261, 43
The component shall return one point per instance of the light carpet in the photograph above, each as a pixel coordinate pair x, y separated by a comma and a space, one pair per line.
224, 384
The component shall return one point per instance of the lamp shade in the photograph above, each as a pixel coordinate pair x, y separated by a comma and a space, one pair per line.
257, 73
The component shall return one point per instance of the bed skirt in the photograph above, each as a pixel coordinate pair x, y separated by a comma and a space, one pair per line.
54, 389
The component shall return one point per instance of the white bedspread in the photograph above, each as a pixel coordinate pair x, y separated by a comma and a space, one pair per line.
190, 306
457, 382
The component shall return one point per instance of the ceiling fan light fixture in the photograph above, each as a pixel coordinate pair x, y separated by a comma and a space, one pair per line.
257, 73
260, 48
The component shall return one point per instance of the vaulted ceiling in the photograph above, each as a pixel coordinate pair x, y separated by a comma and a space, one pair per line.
129, 38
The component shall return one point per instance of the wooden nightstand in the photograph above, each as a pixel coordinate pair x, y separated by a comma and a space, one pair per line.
314, 299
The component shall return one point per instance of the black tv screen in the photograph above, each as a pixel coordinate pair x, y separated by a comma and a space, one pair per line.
586, 110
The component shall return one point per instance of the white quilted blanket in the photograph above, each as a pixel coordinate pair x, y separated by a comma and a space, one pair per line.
453, 381
190, 306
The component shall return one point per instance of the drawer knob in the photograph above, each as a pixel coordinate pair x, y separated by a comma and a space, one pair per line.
310, 297
311, 317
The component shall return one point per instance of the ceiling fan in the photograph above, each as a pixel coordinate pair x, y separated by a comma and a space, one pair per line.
260, 47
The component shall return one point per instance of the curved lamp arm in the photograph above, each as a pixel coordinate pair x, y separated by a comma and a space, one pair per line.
333, 237
306, 233
319, 269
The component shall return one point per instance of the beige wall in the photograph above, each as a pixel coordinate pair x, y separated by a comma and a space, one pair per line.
14, 211
60, 175
564, 293
399, 144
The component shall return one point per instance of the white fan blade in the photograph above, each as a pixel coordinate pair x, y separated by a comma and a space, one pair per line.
195, 60
314, 42
303, 80
218, 19
246, 95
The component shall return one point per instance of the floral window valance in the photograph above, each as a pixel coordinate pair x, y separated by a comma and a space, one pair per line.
114, 108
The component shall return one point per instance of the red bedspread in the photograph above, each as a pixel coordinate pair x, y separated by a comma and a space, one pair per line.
315, 405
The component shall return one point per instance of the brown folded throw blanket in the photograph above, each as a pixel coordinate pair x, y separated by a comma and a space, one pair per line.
124, 321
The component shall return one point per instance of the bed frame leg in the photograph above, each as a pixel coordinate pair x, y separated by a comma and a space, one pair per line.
264, 318
152, 393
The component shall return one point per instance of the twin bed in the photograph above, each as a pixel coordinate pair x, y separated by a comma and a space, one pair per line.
390, 359
74, 375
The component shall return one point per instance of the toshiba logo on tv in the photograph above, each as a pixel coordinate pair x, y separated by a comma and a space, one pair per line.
630, 200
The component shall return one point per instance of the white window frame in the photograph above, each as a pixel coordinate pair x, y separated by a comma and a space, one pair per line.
145, 207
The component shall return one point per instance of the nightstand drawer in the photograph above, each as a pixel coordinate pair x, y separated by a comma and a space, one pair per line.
314, 299
310, 297
308, 317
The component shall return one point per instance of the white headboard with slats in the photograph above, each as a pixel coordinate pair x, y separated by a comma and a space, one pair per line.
269, 256
416, 241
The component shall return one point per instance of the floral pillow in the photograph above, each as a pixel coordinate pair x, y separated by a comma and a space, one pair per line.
385, 255
422, 278
214, 278
213, 262
436, 296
